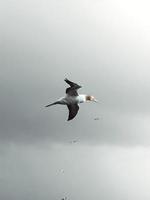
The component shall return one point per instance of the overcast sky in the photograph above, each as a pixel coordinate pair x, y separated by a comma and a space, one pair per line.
104, 46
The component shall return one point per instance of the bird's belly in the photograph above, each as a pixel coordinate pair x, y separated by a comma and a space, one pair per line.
71, 100
80, 99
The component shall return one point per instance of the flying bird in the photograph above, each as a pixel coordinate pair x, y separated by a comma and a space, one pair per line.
64, 198
72, 99
73, 141
96, 118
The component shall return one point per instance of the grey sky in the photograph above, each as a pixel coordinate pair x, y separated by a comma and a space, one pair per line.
104, 46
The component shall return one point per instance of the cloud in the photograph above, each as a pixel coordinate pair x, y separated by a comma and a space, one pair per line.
106, 52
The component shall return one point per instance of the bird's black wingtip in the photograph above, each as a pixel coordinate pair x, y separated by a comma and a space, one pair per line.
48, 105
69, 119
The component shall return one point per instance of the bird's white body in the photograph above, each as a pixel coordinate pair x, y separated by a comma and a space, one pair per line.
81, 98
67, 100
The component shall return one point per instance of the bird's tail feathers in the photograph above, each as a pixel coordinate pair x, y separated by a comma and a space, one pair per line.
52, 104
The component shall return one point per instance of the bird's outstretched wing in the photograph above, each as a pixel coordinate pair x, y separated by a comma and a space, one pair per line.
73, 110
72, 84
72, 90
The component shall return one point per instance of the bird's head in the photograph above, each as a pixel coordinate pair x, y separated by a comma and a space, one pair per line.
91, 98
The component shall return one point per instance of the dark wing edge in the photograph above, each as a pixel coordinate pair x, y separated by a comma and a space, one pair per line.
73, 110
71, 91
72, 84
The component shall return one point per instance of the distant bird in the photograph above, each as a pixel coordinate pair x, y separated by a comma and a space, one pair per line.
96, 118
72, 99
62, 171
64, 198
74, 141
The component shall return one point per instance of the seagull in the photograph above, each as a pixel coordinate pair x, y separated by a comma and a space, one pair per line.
72, 99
